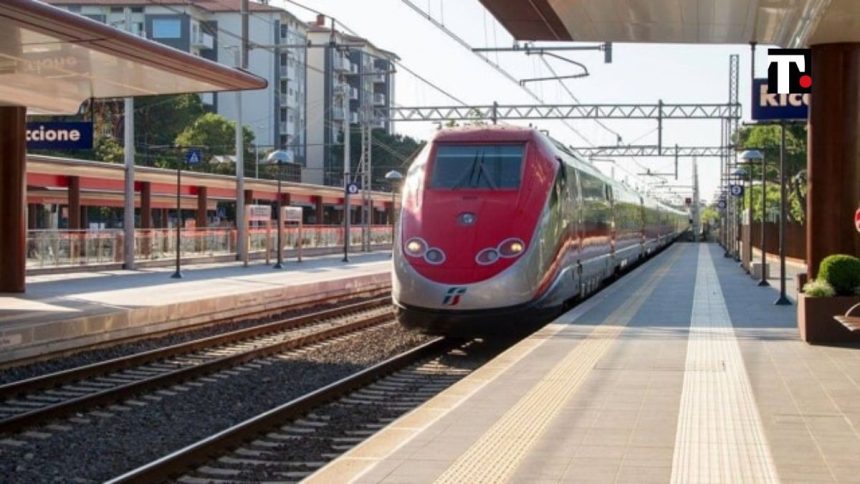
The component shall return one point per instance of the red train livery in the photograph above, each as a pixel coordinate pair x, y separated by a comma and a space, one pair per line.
502, 224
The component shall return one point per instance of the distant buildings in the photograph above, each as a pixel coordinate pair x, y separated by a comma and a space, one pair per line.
302, 110
345, 84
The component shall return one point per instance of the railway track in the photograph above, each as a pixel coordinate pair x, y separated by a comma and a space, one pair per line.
29, 402
289, 442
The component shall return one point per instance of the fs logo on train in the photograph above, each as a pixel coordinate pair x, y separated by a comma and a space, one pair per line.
452, 297
789, 71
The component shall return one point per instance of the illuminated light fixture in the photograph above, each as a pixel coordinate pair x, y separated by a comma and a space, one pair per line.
511, 248
416, 247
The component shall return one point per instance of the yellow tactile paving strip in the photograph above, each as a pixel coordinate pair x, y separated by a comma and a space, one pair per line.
361, 459
720, 437
496, 455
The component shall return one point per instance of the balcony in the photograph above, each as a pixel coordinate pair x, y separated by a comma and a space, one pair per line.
353, 118
353, 93
342, 64
288, 128
200, 39
378, 99
287, 73
378, 78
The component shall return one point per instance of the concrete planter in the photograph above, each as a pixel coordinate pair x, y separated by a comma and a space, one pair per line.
815, 319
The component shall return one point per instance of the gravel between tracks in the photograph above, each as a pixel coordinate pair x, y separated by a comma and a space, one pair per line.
86, 357
108, 446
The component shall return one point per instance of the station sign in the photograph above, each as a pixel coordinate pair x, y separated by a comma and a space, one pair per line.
259, 213
293, 214
737, 190
193, 157
60, 135
768, 106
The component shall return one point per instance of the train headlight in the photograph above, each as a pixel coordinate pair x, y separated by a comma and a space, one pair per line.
416, 247
434, 256
511, 248
487, 256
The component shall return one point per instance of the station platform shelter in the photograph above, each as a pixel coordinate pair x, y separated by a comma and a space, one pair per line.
682, 371
51, 61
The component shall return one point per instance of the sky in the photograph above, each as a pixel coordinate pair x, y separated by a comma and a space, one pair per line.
639, 73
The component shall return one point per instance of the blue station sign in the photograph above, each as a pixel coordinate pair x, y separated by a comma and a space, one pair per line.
59, 135
774, 107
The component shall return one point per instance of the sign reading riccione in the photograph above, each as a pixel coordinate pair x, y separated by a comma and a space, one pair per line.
775, 106
60, 136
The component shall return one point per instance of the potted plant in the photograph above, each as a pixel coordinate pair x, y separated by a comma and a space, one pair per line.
833, 292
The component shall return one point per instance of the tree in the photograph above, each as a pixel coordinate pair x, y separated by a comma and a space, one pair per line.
158, 120
107, 148
216, 136
767, 139
389, 152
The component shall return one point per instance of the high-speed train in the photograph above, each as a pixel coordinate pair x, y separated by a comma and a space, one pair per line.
501, 224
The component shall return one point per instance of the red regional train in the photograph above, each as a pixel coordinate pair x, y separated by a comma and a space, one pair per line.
501, 225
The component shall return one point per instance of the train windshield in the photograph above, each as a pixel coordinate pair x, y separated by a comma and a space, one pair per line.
488, 167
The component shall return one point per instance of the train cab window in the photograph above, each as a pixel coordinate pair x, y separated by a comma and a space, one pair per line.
488, 167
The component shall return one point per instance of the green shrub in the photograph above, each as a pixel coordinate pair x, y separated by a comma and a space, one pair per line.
818, 288
842, 272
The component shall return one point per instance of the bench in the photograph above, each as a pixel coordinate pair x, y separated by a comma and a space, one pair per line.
849, 320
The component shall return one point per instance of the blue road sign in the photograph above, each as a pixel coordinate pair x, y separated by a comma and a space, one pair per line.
352, 188
721, 204
193, 157
737, 190
60, 136
773, 106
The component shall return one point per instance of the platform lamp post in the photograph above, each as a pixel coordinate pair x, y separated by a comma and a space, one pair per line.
394, 177
740, 176
756, 156
279, 157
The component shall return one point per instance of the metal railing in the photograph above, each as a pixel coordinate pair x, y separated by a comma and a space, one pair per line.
69, 248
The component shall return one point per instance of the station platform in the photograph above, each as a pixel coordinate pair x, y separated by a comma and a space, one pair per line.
682, 371
67, 311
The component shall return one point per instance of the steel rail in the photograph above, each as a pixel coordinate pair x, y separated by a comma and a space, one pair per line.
204, 450
124, 391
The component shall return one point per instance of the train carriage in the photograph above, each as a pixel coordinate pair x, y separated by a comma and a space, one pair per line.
499, 223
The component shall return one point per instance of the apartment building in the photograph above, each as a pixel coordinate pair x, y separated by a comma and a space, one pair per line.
346, 84
211, 29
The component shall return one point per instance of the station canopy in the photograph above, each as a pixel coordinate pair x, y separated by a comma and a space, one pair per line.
52, 60
787, 23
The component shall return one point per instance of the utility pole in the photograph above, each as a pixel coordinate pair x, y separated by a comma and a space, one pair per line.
695, 205
128, 141
242, 62
366, 170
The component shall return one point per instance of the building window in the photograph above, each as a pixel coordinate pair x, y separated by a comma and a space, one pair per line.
283, 58
166, 28
116, 10
137, 9
283, 31
75, 8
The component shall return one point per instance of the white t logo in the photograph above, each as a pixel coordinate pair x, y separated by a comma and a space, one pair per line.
783, 69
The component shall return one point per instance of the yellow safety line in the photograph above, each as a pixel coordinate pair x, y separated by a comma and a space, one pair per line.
720, 437
500, 450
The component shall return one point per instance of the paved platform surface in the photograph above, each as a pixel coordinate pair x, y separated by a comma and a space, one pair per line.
63, 311
683, 371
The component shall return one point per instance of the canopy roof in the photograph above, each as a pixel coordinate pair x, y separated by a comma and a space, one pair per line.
52, 60
788, 23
